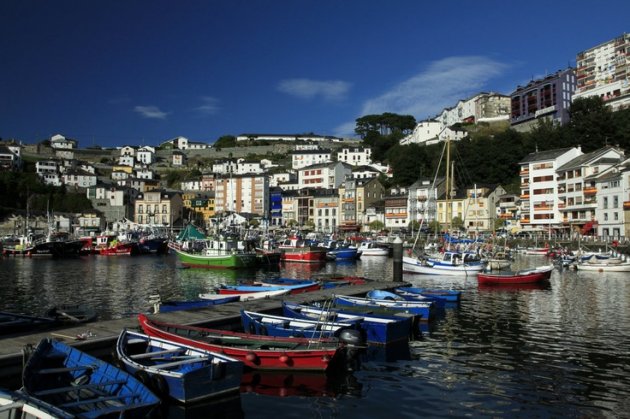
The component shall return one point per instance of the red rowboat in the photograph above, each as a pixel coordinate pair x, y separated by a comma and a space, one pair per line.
257, 352
527, 276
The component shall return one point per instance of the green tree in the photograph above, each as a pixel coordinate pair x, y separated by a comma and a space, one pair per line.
225, 141
376, 225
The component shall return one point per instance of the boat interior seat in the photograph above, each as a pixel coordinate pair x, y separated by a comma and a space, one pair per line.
68, 389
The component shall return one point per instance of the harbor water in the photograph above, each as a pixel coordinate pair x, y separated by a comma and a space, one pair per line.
559, 350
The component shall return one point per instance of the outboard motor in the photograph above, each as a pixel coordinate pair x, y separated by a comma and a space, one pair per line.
353, 341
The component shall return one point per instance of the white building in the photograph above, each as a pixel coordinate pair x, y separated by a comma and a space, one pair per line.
127, 150
364, 172
60, 142
577, 192
79, 178
146, 155
423, 132
277, 178
324, 175
46, 167
539, 187
145, 173
304, 158
127, 160
604, 71
191, 185
238, 167
355, 156
286, 137
613, 201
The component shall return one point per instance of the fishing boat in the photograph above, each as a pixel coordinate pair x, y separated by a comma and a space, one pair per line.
255, 351
248, 296
337, 251
216, 254
451, 296
525, 276
160, 306
181, 372
382, 329
82, 385
450, 264
369, 248
119, 248
424, 309
294, 249
272, 325
296, 288
15, 404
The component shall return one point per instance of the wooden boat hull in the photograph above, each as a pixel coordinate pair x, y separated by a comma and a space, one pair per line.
169, 306
510, 278
178, 371
249, 296
257, 352
120, 249
293, 289
379, 330
416, 266
604, 267
426, 310
303, 255
227, 261
83, 385
451, 296
11, 323
270, 325
20, 405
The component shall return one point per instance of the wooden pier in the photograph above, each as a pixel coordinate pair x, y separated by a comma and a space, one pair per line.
102, 335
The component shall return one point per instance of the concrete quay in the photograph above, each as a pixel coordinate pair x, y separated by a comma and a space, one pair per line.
104, 333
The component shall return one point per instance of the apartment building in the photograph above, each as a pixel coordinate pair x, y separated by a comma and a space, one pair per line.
577, 192
548, 98
539, 187
355, 196
613, 201
604, 71
396, 204
423, 196
323, 175
242, 193
325, 210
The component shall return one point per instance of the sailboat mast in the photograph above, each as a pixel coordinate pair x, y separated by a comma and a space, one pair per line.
448, 182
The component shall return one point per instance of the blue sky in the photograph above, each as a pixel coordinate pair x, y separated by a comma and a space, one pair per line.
138, 72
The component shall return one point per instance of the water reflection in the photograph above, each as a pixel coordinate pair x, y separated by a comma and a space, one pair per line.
303, 384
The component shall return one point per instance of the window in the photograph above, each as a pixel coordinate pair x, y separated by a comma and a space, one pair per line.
140, 211
615, 201
605, 202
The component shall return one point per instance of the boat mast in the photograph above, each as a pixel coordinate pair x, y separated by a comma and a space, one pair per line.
448, 183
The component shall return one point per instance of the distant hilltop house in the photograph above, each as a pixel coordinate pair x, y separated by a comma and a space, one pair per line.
10, 156
286, 137
432, 132
59, 142
482, 107
183, 143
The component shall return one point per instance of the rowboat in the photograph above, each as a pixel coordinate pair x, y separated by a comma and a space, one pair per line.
15, 404
604, 266
257, 352
293, 289
424, 309
160, 306
82, 385
526, 276
378, 329
17, 323
181, 372
272, 325
248, 296
451, 296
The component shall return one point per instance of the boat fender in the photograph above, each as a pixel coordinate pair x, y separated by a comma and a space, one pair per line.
251, 357
160, 385
285, 359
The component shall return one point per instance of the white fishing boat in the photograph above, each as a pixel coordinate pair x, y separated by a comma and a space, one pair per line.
369, 248
249, 296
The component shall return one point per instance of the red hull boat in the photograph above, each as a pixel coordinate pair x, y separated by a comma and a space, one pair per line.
528, 276
257, 352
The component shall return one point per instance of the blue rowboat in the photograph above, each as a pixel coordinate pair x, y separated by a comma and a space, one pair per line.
378, 329
343, 253
176, 370
386, 295
82, 385
272, 325
424, 309
15, 404
168, 306
451, 296
293, 289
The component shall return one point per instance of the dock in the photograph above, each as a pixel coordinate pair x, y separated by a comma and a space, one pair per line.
101, 336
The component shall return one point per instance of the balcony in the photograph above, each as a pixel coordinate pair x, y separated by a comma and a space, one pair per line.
524, 172
561, 205
524, 220
348, 200
505, 216
626, 205
525, 196
590, 191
